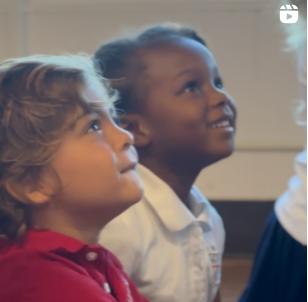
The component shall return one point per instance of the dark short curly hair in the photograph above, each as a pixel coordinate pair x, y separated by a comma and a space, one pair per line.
120, 61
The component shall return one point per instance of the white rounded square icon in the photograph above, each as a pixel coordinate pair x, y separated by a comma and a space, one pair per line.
288, 13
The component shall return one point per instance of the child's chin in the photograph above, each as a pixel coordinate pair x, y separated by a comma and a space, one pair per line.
224, 154
227, 152
138, 194
224, 150
131, 198
217, 155
133, 184
133, 193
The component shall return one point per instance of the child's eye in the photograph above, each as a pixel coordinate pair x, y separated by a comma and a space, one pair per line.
94, 126
219, 84
191, 86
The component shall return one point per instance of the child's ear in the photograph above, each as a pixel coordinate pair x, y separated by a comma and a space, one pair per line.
26, 194
137, 126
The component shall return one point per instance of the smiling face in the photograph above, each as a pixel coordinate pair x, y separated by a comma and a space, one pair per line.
96, 165
189, 114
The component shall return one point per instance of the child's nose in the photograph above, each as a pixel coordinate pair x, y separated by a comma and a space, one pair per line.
219, 98
126, 139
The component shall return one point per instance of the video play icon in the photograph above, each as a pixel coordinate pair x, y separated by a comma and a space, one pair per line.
288, 13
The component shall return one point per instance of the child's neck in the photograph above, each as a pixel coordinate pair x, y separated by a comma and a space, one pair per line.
61, 223
180, 179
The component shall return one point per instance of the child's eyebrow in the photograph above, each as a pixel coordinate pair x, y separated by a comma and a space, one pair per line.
73, 123
188, 71
195, 71
192, 71
112, 111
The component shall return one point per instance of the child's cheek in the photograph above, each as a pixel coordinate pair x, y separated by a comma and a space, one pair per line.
194, 116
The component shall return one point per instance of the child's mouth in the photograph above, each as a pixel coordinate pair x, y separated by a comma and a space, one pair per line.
221, 124
131, 166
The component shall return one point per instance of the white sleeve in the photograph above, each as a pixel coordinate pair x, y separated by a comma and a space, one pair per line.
122, 238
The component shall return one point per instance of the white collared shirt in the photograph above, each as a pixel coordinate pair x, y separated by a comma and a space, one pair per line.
171, 253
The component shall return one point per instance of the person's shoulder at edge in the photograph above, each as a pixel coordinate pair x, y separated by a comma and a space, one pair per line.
30, 275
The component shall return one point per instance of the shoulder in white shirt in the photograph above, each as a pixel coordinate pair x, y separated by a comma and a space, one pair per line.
291, 207
170, 252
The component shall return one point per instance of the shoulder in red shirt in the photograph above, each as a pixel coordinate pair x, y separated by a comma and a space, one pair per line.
47, 266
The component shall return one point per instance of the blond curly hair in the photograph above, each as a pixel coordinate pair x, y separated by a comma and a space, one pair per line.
39, 95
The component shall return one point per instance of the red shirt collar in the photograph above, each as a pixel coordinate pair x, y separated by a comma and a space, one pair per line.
48, 241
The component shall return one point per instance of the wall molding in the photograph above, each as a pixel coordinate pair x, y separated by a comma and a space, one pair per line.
35, 6
253, 175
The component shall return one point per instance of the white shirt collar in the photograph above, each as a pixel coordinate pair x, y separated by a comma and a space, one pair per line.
169, 208
199, 206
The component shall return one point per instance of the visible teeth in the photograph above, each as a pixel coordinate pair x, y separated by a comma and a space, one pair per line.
220, 124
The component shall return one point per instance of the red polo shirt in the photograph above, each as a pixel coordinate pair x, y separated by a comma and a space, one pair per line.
50, 267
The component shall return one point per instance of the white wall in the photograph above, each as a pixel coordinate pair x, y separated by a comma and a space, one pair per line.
247, 41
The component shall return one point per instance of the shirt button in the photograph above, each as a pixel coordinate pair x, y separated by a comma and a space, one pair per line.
107, 288
91, 256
